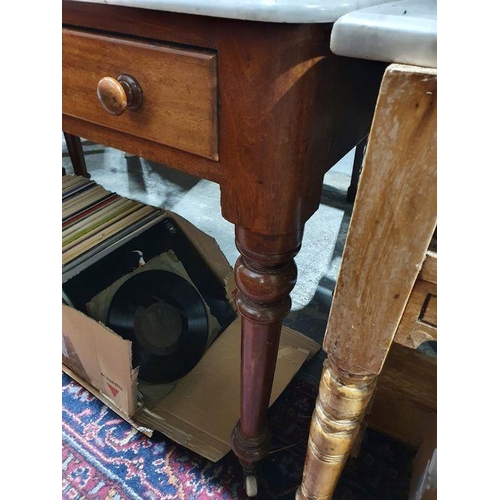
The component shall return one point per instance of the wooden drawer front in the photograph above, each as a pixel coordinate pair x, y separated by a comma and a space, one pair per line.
179, 88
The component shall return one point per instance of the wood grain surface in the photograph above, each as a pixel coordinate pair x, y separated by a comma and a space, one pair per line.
392, 223
179, 89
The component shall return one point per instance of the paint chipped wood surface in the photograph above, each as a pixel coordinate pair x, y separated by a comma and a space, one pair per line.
393, 220
392, 225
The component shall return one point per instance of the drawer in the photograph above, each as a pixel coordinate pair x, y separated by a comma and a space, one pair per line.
179, 89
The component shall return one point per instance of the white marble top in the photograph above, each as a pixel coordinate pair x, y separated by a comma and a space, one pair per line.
276, 11
402, 32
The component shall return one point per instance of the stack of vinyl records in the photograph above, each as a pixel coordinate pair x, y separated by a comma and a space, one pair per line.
96, 220
131, 267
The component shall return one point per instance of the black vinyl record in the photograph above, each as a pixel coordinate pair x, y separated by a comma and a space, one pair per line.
165, 318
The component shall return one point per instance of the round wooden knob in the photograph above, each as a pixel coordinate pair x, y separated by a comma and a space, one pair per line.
115, 96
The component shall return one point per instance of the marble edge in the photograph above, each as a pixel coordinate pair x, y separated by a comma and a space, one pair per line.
383, 33
274, 11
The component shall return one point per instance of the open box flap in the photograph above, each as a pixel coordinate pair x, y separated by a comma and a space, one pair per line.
101, 357
202, 409
204, 406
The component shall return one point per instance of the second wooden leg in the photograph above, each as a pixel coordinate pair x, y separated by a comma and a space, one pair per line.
340, 407
392, 223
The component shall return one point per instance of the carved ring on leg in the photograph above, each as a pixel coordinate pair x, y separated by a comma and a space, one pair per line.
340, 407
250, 450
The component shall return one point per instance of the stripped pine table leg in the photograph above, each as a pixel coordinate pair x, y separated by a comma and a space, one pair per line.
393, 220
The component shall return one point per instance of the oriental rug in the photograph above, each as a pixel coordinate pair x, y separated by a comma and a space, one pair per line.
104, 458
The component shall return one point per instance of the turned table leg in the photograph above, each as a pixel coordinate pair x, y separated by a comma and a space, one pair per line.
265, 274
393, 221
75, 151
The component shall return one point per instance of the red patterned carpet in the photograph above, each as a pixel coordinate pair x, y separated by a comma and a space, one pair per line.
105, 458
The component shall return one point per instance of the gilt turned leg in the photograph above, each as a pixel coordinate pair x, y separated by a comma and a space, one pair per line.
75, 151
339, 410
265, 274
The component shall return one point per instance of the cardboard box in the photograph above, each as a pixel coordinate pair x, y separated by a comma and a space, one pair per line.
200, 410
